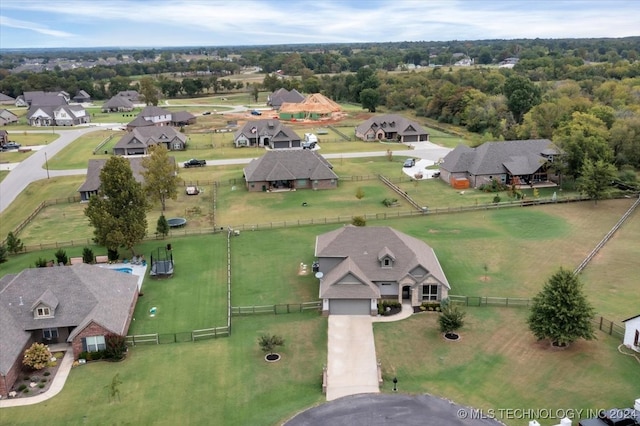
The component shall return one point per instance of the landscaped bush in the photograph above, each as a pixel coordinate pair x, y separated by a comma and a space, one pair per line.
22, 387
494, 186
36, 356
113, 255
388, 202
61, 257
41, 263
41, 385
47, 373
116, 346
358, 221
393, 306
87, 255
91, 356
430, 306
26, 390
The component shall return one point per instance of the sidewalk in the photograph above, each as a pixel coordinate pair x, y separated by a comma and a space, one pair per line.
55, 388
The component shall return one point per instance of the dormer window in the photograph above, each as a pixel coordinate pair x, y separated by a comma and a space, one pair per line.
387, 262
43, 312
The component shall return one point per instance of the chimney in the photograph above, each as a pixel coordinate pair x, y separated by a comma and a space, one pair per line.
21, 302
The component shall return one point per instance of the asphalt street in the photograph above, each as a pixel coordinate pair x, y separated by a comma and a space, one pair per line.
391, 409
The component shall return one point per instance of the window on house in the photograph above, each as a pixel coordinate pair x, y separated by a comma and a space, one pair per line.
636, 341
430, 292
50, 333
95, 343
43, 312
386, 261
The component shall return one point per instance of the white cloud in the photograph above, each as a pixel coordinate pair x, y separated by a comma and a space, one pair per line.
32, 26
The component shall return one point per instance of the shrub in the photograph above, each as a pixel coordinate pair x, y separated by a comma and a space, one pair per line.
393, 304
22, 387
41, 385
87, 255
270, 343
430, 306
41, 263
358, 221
83, 355
47, 373
113, 255
494, 186
61, 257
496, 199
37, 356
388, 202
26, 390
116, 346
43, 380
451, 319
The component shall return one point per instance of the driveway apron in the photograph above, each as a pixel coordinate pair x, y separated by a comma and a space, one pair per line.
352, 367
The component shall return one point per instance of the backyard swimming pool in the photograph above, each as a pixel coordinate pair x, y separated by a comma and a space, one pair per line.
125, 270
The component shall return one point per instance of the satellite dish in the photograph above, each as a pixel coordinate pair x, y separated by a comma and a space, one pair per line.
319, 275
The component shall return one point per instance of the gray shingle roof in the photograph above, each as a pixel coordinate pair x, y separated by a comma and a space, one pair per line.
333, 286
363, 245
283, 95
92, 181
391, 122
85, 293
516, 157
149, 135
289, 165
118, 102
266, 127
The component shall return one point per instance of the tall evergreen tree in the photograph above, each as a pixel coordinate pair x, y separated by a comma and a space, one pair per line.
595, 178
561, 312
118, 212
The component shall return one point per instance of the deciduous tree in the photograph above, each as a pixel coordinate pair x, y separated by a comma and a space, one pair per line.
561, 312
595, 178
37, 356
160, 176
522, 95
118, 212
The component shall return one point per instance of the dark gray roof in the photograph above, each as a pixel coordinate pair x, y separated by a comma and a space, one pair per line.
515, 157
356, 284
181, 116
267, 127
391, 122
289, 165
283, 95
154, 111
50, 110
6, 99
46, 99
132, 95
118, 102
85, 293
150, 135
140, 122
363, 245
92, 181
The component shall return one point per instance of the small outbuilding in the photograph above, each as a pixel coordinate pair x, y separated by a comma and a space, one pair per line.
632, 333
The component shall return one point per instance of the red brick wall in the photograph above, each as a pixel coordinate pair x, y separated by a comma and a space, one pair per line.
7, 381
92, 329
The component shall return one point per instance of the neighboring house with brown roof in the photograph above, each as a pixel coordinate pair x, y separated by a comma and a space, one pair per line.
6, 100
266, 132
118, 104
523, 162
282, 95
391, 127
7, 117
359, 266
77, 304
92, 182
138, 141
290, 170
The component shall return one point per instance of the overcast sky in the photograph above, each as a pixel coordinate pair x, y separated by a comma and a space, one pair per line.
161, 23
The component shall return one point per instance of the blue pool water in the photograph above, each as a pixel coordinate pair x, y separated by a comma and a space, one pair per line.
125, 270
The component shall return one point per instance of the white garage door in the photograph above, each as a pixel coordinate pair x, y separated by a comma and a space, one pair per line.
349, 307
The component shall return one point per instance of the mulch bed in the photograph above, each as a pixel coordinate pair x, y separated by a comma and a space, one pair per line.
36, 376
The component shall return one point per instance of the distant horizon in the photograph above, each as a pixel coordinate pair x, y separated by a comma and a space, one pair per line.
262, 46
167, 24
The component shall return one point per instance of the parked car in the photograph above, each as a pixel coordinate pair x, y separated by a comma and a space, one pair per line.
409, 162
255, 112
206, 113
436, 175
11, 145
195, 163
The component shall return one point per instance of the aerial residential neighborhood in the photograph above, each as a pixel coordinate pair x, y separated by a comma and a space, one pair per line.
217, 229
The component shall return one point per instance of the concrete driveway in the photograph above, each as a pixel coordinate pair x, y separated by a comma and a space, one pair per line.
352, 366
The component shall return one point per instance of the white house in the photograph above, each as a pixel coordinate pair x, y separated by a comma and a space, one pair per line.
632, 333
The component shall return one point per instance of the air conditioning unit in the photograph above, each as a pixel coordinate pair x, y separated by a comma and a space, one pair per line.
636, 406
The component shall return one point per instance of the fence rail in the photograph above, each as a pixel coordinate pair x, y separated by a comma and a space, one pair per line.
282, 308
490, 301
180, 337
403, 194
608, 326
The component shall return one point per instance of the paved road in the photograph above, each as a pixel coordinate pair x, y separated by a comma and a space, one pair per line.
33, 167
394, 409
